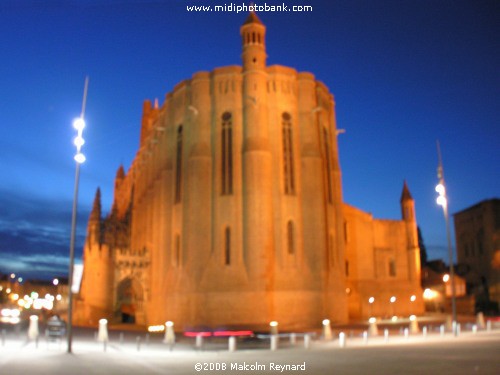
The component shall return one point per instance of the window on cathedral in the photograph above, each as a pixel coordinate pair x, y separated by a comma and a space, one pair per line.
290, 238
227, 154
177, 250
392, 268
227, 246
288, 165
326, 140
178, 166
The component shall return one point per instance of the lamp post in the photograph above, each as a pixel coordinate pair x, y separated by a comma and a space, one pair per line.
442, 200
79, 125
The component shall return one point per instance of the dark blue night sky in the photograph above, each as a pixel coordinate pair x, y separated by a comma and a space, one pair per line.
404, 74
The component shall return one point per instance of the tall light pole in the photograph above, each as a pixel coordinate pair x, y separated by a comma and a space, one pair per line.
79, 125
442, 200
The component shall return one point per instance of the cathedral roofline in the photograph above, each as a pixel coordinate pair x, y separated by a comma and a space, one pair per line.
253, 18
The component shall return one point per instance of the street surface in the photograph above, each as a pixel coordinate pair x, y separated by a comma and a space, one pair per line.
127, 355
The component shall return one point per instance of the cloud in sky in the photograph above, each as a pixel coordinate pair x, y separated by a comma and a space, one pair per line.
35, 235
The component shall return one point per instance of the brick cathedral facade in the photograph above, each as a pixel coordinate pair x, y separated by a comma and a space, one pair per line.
231, 213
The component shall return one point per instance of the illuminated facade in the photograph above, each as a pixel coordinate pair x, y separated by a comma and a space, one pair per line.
231, 213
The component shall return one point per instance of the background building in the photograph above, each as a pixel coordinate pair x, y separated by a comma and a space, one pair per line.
231, 213
477, 231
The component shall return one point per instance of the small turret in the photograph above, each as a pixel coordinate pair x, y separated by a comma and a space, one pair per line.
253, 33
407, 204
94, 225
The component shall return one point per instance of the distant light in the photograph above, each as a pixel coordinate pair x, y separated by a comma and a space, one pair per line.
20, 279
80, 158
79, 141
33, 317
326, 322
394, 318
393, 299
430, 294
103, 321
446, 277
79, 124
169, 324
413, 298
371, 299
8, 290
55, 281
441, 200
440, 189
413, 318
157, 328
273, 323
12, 275
58, 297
15, 297
372, 320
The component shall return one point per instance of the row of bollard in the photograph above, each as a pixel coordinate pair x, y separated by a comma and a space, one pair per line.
169, 338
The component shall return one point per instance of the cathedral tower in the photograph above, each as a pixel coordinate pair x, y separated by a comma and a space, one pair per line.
409, 217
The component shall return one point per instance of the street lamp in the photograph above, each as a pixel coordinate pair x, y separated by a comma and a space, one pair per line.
442, 200
79, 125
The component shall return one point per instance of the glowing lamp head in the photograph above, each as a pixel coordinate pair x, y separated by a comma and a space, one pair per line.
169, 324
413, 298
79, 142
80, 158
79, 124
413, 318
372, 320
326, 322
33, 318
446, 278
371, 299
393, 299
440, 189
441, 200
273, 323
103, 321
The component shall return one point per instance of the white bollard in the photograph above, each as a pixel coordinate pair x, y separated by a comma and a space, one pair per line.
307, 341
232, 344
102, 334
488, 325
474, 329
199, 341
274, 327
274, 342
293, 338
372, 327
480, 320
424, 331
414, 325
458, 329
386, 335
169, 333
33, 328
406, 333
327, 330
342, 339
441, 330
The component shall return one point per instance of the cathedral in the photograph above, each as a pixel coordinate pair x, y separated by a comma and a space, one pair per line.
231, 214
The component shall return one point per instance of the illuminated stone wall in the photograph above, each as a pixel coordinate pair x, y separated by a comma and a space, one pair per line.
231, 213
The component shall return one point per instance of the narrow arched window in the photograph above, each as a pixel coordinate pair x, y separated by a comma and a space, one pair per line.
178, 166
227, 246
328, 165
290, 238
177, 250
288, 164
227, 154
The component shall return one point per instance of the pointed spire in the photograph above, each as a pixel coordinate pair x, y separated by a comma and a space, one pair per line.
120, 173
252, 18
405, 195
95, 214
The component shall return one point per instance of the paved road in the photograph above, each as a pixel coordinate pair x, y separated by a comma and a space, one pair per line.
466, 354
